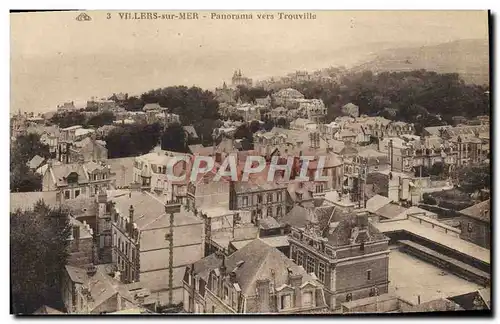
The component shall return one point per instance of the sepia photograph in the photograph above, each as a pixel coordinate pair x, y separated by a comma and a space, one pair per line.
220, 163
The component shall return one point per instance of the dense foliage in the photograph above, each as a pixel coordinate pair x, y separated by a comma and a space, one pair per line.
132, 140
23, 149
421, 97
73, 118
472, 178
174, 139
38, 254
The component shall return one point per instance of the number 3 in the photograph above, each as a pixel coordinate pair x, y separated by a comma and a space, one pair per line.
108, 16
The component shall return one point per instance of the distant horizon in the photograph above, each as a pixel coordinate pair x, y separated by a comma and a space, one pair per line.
134, 57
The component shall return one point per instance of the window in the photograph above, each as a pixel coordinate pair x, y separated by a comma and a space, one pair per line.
66, 194
368, 275
310, 264
77, 193
469, 227
270, 198
362, 246
321, 271
279, 196
348, 297
213, 309
279, 211
244, 201
299, 258
225, 296
294, 254
259, 198
269, 212
307, 299
319, 188
286, 301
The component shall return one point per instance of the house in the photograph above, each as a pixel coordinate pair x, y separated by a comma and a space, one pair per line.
81, 246
255, 279
68, 134
302, 124
475, 224
287, 98
150, 172
190, 132
347, 254
66, 107
88, 149
152, 107
150, 240
350, 109
35, 162
75, 179
262, 198
94, 290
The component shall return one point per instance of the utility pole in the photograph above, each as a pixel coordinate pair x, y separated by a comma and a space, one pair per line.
171, 207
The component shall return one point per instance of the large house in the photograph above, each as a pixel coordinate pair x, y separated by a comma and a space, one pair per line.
347, 254
255, 279
151, 240
75, 179
94, 290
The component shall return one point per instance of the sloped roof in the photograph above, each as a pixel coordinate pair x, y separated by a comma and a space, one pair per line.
191, 131
122, 171
152, 106
47, 310
376, 202
61, 171
260, 260
268, 223
479, 211
342, 232
438, 305
35, 162
101, 286
298, 217
149, 211
390, 211
350, 105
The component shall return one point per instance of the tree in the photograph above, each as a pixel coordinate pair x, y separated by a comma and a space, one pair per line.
244, 132
24, 148
472, 178
132, 140
68, 119
104, 118
254, 126
174, 139
38, 255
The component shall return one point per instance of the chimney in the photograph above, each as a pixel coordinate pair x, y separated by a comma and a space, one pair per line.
91, 270
223, 266
131, 214
263, 294
232, 276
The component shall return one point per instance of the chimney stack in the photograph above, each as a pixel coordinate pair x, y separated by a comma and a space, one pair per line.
91, 270
131, 214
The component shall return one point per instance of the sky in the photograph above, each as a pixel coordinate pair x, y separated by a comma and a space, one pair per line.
55, 58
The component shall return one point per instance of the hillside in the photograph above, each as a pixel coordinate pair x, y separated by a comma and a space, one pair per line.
469, 58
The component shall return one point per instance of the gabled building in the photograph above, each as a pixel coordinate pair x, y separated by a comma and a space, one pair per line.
88, 149
75, 179
150, 241
255, 279
348, 255
94, 290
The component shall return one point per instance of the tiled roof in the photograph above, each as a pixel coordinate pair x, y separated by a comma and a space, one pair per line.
342, 232
297, 217
260, 261
479, 211
268, 223
60, 172
35, 162
390, 211
376, 202
149, 211
101, 286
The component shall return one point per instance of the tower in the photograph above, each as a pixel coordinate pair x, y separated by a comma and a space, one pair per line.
171, 207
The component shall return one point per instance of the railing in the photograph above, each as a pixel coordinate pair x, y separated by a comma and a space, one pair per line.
421, 219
